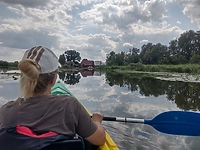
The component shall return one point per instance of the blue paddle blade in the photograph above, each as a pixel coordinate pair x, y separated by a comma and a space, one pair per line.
177, 122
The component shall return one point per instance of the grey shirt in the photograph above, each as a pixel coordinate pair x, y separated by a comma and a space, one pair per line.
58, 113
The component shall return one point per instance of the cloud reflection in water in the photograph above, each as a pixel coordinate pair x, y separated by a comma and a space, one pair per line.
98, 96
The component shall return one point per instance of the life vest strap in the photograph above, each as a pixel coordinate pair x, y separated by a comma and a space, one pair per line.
28, 132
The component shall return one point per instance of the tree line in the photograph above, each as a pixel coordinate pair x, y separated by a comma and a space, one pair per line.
7, 65
183, 50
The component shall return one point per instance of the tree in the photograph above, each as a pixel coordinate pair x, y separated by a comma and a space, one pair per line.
185, 49
134, 51
72, 55
110, 58
119, 59
160, 54
4, 64
195, 59
173, 47
154, 54
132, 56
62, 59
145, 53
187, 43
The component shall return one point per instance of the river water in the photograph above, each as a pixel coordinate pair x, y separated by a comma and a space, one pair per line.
135, 96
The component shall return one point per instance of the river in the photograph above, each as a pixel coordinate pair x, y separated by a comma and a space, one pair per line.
137, 96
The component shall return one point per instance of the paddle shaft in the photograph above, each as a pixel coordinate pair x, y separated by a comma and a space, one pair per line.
125, 119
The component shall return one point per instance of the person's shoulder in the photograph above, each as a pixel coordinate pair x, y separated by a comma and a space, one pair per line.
10, 103
7, 104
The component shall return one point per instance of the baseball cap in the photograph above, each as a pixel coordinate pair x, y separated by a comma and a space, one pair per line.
44, 57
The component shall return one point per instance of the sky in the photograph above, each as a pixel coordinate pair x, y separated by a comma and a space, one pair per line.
93, 28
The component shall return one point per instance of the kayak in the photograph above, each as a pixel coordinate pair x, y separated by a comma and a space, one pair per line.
58, 89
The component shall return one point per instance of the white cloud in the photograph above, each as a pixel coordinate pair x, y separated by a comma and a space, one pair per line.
94, 28
191, 9
26, 3
144, 41
11, 54
128, 44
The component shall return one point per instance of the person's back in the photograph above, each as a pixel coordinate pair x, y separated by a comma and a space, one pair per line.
42, 112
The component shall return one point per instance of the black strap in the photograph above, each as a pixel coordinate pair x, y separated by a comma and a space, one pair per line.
10, 140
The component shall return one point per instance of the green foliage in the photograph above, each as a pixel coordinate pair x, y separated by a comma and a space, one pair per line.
185, 49
62, 60
154, 54
186, 68
8, 65
70, 58
187, 43
4, 64
195, 59
72, 55
185, 95
137, 66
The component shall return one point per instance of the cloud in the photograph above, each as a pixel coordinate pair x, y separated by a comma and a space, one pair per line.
98, 45
121, 14
128, 44
191, 9
26, 3
144, 41
33, 26
27, 39
11, 54
93, 28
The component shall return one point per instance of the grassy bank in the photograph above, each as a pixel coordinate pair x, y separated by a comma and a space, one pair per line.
186, 68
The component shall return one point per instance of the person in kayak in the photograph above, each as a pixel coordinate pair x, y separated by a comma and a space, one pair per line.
41, 111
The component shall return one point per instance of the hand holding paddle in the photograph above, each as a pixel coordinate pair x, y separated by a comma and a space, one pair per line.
97, 117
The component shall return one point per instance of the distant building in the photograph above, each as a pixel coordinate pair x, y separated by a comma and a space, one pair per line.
97, 63
87, 63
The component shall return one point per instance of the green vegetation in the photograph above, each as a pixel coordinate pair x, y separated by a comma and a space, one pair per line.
185, 95
181, 56
70, 58
184, 50
8, 65
186, 68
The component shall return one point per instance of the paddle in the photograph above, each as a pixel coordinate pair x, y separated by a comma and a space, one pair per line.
171, 122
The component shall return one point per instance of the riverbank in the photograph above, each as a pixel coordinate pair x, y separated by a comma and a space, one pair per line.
186, 68
168, 76
184, 73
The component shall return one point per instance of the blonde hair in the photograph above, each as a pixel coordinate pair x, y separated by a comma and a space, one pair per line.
31, 82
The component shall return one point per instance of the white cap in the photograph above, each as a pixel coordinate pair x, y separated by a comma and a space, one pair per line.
44, 57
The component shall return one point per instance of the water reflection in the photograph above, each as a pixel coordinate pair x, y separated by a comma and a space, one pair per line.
185, 94
70, 77
86, 73
135, 95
